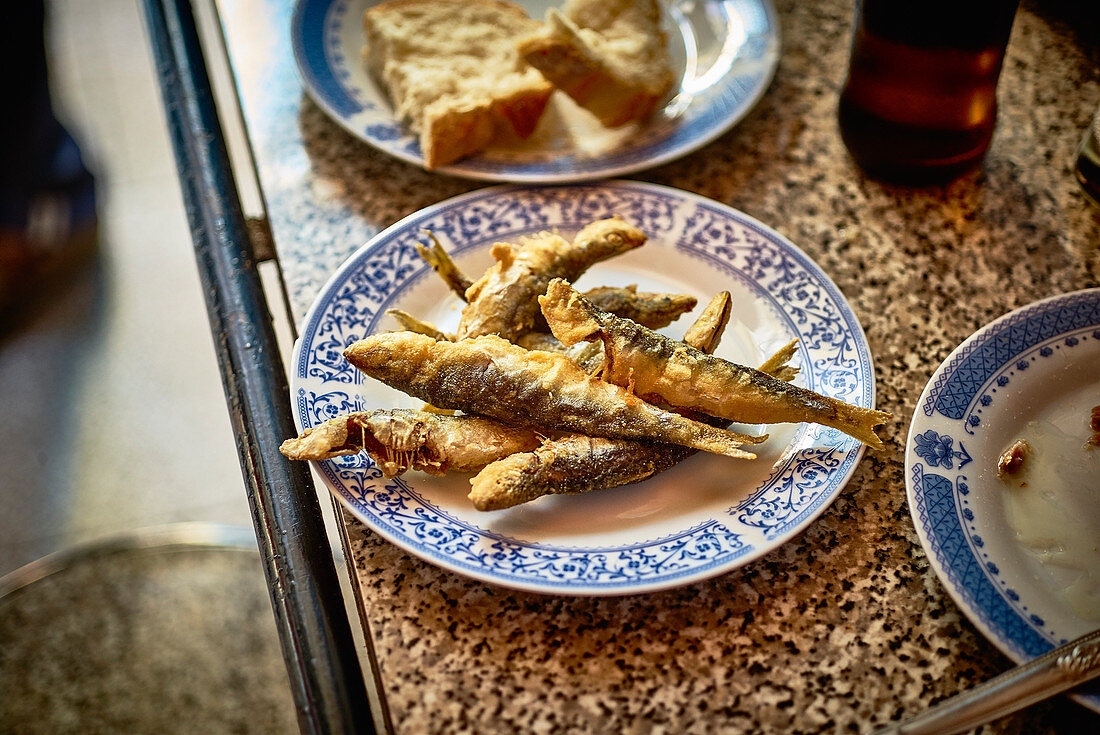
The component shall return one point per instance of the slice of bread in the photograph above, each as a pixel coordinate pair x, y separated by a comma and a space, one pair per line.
610, 56
453, 72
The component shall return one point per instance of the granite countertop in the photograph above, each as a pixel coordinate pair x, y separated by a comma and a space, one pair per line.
845, 627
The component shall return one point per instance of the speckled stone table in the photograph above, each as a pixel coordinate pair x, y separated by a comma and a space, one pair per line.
843, 629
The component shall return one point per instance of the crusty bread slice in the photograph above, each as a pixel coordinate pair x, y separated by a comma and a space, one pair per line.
453, 72
610, 56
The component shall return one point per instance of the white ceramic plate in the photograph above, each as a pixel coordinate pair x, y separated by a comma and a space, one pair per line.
724, 54
1037, 366
706, 516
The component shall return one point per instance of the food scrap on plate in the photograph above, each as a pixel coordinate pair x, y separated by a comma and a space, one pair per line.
560, 396
1012, 459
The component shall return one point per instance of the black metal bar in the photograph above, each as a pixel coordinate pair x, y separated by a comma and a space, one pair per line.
325, 675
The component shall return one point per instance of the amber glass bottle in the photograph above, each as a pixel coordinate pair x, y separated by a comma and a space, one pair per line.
920, 101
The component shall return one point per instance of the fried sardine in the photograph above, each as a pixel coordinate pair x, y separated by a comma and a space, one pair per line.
399, 440
577, 464
571, 465
492, 377
660, 368
654, 310
503, 301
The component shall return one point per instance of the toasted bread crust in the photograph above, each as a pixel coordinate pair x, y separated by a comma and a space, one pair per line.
616, 86
523, 108
450, 134
573, 71
392, 5
494, 99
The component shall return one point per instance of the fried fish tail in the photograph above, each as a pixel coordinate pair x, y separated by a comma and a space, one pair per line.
856, 422
569, 466
660, 368
441, 263
777, 366
492, 377
399, 440
410, 323
706, 331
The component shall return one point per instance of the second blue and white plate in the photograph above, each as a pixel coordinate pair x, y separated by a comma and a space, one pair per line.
724, 53
1020, 556
706, 516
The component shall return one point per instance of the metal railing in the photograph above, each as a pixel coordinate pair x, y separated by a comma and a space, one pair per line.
325, 674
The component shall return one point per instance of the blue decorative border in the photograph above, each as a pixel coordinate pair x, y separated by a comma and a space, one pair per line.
938, 510
324, 69
309, 30
973, 365
356, 297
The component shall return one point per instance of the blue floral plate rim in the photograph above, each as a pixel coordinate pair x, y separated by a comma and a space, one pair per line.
806, 476
938, 477
328, 62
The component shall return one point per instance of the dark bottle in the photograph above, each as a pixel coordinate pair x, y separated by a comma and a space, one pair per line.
920, 102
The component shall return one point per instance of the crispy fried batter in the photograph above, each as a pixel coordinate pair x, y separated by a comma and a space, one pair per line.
654, 310
589, 355
777, 366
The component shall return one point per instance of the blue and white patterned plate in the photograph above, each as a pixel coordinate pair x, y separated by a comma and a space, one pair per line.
724, 53
1038, 362
706, 516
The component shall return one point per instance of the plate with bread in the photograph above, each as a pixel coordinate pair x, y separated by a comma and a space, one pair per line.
533, 91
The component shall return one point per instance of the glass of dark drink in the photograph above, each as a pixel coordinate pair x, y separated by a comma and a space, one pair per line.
920, 101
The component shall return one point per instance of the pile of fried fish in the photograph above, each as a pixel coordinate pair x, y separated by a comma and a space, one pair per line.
545, 390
